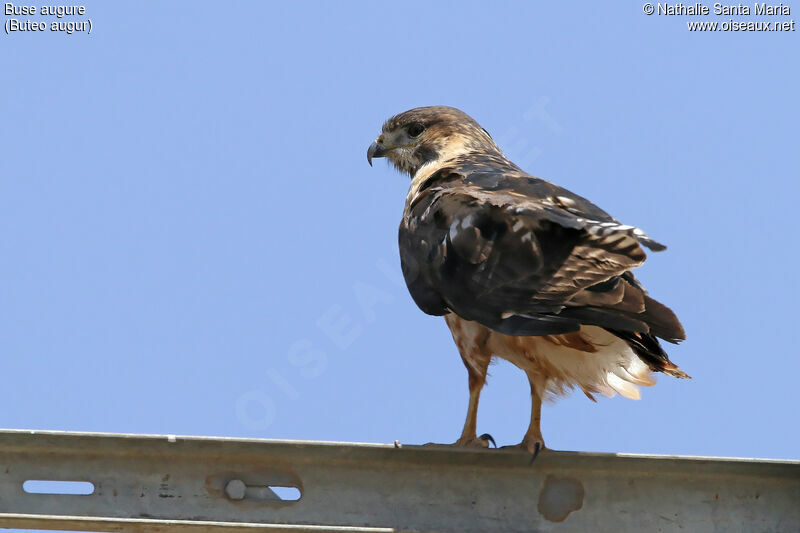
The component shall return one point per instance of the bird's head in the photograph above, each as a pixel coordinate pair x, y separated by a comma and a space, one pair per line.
426, 134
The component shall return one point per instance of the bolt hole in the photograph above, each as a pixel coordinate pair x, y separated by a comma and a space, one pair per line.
50, 486
287, 494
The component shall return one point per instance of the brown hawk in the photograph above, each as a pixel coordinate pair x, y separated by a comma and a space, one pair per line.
521, 269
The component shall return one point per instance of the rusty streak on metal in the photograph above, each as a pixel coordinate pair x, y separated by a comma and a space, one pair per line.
152, 483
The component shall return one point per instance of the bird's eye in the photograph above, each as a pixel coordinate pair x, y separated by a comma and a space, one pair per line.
415, 129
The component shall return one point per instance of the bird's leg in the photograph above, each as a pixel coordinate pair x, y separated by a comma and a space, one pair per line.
469, 433
469, 436
533, 441
471, 339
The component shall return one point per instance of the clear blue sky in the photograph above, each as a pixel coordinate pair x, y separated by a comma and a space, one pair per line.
192, 242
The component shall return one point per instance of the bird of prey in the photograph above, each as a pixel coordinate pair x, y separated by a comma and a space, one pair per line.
521, 269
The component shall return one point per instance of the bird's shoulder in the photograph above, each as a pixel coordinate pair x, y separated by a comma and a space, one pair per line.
478, 182
495, 179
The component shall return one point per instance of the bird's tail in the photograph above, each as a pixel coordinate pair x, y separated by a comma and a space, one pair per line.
649, 350
662, 321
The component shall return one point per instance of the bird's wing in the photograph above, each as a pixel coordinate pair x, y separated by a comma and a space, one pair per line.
524, 257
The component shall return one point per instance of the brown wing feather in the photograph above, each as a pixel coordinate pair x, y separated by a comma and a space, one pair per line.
524, 257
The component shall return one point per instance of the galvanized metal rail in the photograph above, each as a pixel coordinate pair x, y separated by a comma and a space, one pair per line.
152, 483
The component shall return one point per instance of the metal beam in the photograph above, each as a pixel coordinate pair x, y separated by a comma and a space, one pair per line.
152, 483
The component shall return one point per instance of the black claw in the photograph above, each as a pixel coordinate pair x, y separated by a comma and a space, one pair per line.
488, 437
536, 449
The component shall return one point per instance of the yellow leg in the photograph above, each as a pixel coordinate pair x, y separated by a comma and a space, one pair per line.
533, 440
469, 433
471, 339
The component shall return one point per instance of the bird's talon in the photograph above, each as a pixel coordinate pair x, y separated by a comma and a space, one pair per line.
531, 447
475, 442
537, 447
487, 438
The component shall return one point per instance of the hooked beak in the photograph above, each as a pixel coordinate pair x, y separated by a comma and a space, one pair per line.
376, 149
